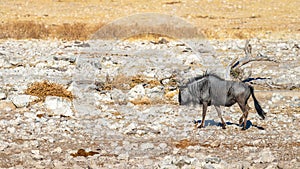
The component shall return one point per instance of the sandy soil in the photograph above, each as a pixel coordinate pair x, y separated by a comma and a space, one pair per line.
217, 19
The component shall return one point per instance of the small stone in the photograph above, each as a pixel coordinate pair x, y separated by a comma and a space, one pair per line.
163, 145
136, 92
165, 81
30, 115
23, 100
11, 130
16, 62
276, 97
216, 143
57, 150
70, 59
59, 105
118, 96
176, 151
58, 164
146, 146
6, 105
35, 151
199, 155
3, 146
123, 156
76, 166
213, 160
104, 97
183, 162
295, 98
265, 156
36, 155
282, 46
51, 140
272, 165
131, 128
2, 96
156, 92
246, 164
4, 63
208, 166
172, 95
148, 162
127, 146
35, 143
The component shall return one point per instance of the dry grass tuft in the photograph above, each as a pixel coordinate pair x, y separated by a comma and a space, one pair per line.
82, 152
142, 101
34, 30
184, 143
45, 88
23, 30
155, 38
124, 82
72, 31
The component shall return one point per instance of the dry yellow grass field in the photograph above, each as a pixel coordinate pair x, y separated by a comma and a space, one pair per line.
217, 19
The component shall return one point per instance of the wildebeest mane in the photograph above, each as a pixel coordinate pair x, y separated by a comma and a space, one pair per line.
194, 79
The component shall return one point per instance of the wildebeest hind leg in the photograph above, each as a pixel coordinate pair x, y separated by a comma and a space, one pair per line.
244, 108
242, 117
203, 115
218, 108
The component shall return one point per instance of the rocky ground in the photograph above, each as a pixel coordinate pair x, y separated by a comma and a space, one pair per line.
123, 111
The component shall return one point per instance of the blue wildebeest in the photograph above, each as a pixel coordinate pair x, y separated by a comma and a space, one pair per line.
210, 89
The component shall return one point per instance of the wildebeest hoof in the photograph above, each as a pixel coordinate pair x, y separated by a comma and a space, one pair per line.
223, 127
243, 129
241, 124
199, 126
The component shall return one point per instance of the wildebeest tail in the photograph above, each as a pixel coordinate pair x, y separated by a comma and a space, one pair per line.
258, 108
179, 97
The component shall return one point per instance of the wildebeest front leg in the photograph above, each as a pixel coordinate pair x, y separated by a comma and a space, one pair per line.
218, 108
203, 115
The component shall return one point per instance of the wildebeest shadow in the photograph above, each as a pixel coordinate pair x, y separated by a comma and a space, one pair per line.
214, 123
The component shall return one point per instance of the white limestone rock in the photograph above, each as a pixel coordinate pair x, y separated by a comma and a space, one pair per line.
59, 105
23, 100
136, 92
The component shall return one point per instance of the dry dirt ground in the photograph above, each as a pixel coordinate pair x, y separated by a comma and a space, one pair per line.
217, 19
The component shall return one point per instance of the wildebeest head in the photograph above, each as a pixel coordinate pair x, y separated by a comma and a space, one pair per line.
184, 96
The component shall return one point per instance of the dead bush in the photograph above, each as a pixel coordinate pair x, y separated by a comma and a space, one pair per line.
184, 143
82, 152
23, 30
34, 30
45, 88
124, 82
72, 31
